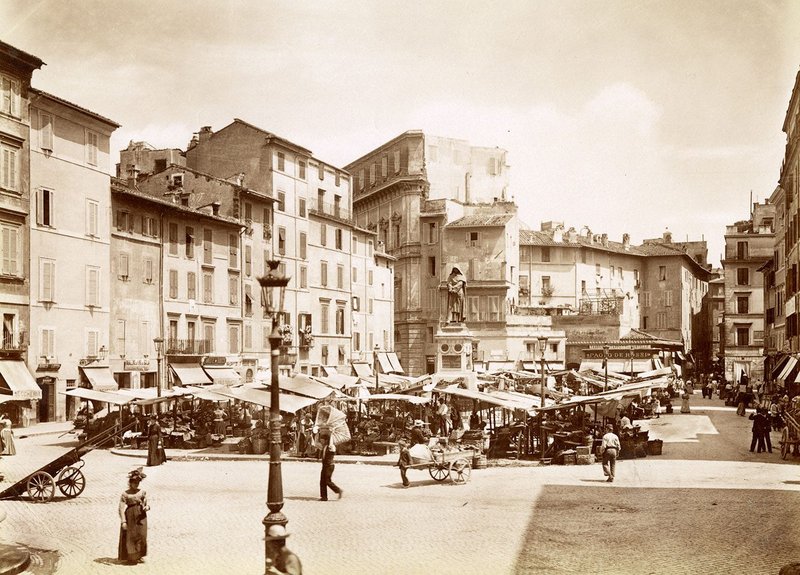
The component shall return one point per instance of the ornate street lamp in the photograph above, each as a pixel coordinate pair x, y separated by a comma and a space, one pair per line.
159, 343
542, 339
102, 353
273, 288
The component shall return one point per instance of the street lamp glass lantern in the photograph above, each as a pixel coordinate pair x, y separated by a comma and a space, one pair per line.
102, 352
273, 288
159, 344
542, 343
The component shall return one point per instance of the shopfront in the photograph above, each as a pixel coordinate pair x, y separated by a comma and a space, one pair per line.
19, 393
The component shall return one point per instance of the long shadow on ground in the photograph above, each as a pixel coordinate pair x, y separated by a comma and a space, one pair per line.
621, 531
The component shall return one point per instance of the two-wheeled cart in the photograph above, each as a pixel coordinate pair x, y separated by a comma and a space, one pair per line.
442, 463
63, 472
791, 433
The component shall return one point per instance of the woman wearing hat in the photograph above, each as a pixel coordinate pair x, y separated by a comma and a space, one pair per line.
133, 510
417, 433
280, 560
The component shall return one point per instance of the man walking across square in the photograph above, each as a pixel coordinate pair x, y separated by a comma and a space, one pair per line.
326, 473
610, 448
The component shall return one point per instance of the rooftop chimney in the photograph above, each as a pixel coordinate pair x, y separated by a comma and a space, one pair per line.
572, 235
133, 174
558, 233
205, 133
215, 208
667, 237
604, 240
626, 241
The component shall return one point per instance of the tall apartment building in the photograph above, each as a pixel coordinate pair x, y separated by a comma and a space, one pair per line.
748, 245
310, 230
407, 191
70, 249
16, 70
789, 182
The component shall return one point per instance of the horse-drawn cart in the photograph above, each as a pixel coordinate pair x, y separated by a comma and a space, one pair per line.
442, 463
63, 472
791, 433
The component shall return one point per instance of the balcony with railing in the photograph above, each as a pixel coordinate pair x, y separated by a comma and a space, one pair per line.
189, 346
13, 348
601, 306
334, 211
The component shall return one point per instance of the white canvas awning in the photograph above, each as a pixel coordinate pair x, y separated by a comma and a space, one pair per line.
100, 378
104, 396
17, 382
223, 375
190, 374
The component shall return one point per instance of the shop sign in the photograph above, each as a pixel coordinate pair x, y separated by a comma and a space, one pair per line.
626, 354
136, 365
218, 360
47, 380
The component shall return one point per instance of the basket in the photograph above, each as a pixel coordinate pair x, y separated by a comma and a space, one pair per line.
654, 446
479, 462
570, 457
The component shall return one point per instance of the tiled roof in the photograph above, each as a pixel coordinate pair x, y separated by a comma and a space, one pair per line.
481, 220
71, 105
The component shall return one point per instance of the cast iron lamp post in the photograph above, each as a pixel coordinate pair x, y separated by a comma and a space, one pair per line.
605, 364
542, 438
273, 288
159, 343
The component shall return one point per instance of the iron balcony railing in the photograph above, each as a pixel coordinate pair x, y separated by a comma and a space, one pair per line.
190, 346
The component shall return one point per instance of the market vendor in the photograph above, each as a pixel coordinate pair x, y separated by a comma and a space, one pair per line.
418, 433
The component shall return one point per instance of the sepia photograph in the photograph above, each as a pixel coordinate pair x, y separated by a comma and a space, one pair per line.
359, 287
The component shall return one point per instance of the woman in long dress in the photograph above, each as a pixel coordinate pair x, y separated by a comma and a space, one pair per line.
133, 510
685, 401
7, 435
155, 444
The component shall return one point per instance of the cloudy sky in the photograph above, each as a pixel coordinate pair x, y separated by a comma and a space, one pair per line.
632, 116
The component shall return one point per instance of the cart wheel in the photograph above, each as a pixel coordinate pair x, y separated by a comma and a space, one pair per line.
438, 471
460, 471
71, 481
41, 487
785, 443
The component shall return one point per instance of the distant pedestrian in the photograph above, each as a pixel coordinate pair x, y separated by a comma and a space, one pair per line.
133, 510
156, 455
610, 448
404, 462
280, 560
685, 401
7, 436
326, 473
219, 421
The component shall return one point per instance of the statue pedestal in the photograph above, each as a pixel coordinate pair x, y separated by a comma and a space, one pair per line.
454, 356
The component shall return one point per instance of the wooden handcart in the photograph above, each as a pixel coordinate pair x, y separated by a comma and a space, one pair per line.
442, 463
63, 472
791, 434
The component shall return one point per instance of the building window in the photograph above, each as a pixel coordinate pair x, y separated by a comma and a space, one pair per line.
432, 266
741, 250
661, 320
646, 299
323, 274
282, 241
45, 207
742, 336
208, 337
10, 248
119, 335
384, 166
301, 169
340, 276
92, 213
321, 171
47, 280
369, 277
301, 207
742, 304
545, 254
324, 310
91, 147
233, 339
266, 233
191, 285
248, 213
92, 286
433, 233
303, 245
662, 273
337, 206
46, 131
372, 174
281, 201
323, 234
644, 322
354, 277
281, 162
233, 289
668, 298
248, 260
361, 182
208, 287
189, 242
9, 169
340, 320
303, 277
92, 338
208, 245
173, 284
172, 230
233, 251
124, 267
47, 345
338, 234
494, 312
248, 300
10, 103
742, 276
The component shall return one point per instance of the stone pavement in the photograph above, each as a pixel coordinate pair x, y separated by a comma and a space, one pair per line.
658, 517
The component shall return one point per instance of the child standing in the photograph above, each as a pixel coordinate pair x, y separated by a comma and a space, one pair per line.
404, 462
